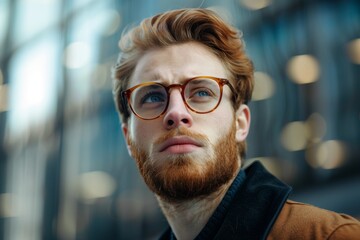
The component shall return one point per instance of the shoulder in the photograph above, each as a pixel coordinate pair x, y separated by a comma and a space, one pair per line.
298, 220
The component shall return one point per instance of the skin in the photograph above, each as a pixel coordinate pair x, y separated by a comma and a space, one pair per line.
175, 64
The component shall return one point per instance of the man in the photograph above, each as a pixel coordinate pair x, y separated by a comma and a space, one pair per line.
181, 87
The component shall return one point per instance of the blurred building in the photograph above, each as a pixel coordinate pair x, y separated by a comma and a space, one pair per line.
64, 168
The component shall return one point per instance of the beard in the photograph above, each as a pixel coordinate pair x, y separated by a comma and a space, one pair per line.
187, 176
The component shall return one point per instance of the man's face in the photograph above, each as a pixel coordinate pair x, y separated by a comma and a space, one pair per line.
183, 154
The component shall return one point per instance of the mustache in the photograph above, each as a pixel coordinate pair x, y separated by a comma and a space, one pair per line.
182, 131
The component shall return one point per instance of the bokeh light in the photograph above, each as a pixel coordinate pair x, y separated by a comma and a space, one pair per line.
328, 155
303, 69
96, 184
317, 126
255, 4
264, 86
294, 136
353, 49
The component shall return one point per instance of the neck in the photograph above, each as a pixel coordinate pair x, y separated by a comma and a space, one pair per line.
188, 218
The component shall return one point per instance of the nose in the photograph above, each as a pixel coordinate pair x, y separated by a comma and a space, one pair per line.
177, 113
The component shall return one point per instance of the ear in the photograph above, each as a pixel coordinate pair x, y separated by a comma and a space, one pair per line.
125, 129
243, 119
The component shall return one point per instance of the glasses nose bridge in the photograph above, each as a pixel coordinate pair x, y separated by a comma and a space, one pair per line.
175, 86
170, 87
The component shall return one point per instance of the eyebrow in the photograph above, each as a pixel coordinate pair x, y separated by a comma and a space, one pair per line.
154, 86
167, 82
198, 80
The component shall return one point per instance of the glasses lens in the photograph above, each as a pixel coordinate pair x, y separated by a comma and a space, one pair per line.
203, 94
149, 101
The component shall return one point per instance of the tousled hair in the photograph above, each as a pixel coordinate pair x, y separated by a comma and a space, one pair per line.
180, 26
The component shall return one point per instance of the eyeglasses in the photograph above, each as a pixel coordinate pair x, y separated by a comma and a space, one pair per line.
200, 94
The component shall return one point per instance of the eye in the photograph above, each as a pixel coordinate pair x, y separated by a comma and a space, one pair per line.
153, 97
201, 90
202, 93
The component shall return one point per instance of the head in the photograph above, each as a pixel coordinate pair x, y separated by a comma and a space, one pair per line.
171, 48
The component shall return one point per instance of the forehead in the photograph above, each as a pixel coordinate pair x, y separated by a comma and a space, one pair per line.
177, 63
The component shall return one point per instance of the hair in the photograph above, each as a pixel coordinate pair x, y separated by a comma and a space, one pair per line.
180, 26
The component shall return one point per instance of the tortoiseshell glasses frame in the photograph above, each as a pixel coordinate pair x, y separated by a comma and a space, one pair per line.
192, 92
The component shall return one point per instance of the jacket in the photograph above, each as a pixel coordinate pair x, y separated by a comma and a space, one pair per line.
260, 209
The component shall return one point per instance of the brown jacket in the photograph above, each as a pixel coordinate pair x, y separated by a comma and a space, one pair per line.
302, 221
260, 209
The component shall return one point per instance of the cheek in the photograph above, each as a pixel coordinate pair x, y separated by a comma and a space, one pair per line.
225, 116
142, 133
218, 124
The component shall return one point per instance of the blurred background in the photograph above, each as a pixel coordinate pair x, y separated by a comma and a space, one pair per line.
64, 169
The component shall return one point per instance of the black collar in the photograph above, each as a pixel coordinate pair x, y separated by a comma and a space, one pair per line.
254, 208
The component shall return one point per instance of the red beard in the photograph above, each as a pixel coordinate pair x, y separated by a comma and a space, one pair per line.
181, 177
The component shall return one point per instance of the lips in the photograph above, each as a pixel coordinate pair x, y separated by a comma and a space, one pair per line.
179, 141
